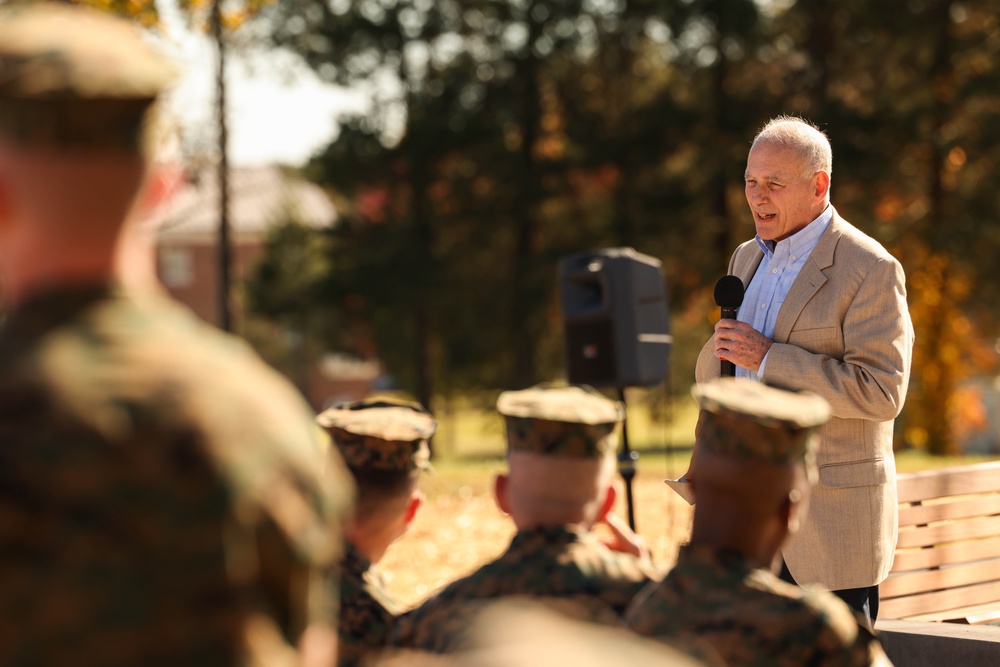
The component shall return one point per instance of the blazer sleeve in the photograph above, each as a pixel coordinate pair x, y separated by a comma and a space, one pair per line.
708, 366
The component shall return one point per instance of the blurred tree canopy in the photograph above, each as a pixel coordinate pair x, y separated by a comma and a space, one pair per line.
505, 134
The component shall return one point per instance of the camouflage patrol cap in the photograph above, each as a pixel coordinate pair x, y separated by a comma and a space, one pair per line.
752, 420
382, 434
75, 76
573, 421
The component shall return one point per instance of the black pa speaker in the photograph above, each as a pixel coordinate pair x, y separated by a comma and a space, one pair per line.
616, 323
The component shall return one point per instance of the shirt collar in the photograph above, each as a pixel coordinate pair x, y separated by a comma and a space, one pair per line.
804, 239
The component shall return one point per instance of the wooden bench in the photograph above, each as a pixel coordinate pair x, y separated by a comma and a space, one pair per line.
947, 565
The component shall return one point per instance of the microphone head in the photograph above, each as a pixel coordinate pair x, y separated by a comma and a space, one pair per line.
729, 292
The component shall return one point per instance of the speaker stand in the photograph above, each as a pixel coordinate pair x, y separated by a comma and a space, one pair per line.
626, 463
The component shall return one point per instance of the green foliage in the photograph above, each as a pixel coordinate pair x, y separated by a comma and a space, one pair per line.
511, 133
287, 321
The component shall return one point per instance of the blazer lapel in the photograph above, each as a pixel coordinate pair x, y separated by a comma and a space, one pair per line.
809, 280
745, 265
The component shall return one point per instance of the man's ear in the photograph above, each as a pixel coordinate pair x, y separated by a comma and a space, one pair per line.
822, 184
162, 182
412, 505
610, 496
789, 511
500, 493
692, 464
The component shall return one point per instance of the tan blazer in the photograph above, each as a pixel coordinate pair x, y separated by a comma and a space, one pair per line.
844, 332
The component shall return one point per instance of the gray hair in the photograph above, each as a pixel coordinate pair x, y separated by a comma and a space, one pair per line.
801, 136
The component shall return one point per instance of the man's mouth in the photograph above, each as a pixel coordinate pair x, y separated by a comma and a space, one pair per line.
766, 216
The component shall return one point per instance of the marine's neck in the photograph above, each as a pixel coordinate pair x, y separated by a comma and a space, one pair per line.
31, 263
758, 541
30, 266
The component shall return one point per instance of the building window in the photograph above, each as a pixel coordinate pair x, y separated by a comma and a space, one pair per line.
176, 267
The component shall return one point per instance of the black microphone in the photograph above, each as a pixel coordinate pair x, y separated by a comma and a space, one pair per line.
729, 297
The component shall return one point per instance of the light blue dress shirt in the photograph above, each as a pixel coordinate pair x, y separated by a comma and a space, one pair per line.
774, 277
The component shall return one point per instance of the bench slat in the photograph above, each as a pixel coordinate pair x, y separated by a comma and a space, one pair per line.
962, 552
943, 533
987, 615
976, 478
984, 613
915, 515
940, 601
932, 580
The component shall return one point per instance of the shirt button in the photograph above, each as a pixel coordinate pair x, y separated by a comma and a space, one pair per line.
774, 270
763, 305
794, 257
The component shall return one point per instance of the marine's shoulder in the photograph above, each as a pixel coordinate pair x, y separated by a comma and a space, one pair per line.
196, 359
364, 624
596, 558
129, 368
197, 344
101, 325
809, 607
481, 582
363, 608
748, 594
841, 620
751, 615
466, 592
823, 625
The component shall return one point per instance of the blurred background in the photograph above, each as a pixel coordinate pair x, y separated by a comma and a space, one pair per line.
402, 177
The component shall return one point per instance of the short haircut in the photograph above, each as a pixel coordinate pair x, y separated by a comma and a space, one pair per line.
380, 490
801, 136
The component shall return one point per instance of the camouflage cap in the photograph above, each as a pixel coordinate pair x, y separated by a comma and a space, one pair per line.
75, 76
573, 421
752, 420
380, 434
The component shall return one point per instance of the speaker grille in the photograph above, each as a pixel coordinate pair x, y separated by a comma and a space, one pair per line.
590, 352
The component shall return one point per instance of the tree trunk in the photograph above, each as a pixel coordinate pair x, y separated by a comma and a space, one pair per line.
939, 391
524, 280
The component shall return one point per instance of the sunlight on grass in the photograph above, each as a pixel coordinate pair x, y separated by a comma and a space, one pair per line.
469, 429
915, 460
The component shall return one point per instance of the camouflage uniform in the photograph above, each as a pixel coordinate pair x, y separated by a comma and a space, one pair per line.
160, 488
382, 436
367, 611
716, 599
566, 565
165, 498
748, 616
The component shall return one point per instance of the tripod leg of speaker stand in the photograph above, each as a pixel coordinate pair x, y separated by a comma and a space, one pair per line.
626, 463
